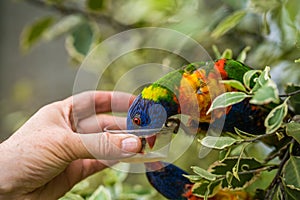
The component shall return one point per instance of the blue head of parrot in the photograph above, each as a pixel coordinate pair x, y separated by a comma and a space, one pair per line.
146, 114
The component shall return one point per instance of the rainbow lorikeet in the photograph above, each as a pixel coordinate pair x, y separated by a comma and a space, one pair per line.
190, 91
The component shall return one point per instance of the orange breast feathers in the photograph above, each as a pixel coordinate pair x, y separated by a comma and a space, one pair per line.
197, 90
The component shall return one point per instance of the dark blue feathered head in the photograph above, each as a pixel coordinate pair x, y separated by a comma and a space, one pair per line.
146, 114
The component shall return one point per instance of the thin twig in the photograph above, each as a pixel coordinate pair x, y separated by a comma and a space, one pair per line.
258, 170
278, 153
260, 137
68, 10
290, 94
274, 184
253, 171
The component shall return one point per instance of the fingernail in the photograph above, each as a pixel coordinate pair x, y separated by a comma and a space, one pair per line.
130, 144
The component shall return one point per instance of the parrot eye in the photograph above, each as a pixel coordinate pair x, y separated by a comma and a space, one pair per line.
137, 120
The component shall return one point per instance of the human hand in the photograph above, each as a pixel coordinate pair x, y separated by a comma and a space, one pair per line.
47, 155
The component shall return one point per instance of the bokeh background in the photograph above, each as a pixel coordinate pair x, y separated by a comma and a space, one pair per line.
43, 43
29, 80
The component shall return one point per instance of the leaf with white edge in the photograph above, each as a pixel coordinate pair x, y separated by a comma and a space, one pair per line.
266, 94
248, 76
228, 23
245, 164
292, 194
101, 193
218, 142
80, 41
258, 150
224, 153
274, 119
242, 56
291, 173
204, 173
34, 32
193, 178
71, 196
227, 99
216, 51
263, 78
206, 189
236, 168
65, 25
293, 130
295, 99
244, 134
229, 177
227, 54
235, 84
235, 172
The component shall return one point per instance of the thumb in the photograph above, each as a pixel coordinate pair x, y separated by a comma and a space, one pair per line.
106, 146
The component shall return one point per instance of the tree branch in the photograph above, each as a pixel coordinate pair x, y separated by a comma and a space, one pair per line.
290, 94
275, 183
68, 10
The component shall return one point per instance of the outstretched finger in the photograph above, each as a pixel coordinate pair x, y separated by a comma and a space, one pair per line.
97, 123
92, 102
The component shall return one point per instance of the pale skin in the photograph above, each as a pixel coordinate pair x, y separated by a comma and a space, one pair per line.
47, 155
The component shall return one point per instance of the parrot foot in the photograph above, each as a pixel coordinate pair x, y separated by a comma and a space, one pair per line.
173, 120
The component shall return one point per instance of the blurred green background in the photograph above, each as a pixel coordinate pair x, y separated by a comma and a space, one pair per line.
44, 42
31, 80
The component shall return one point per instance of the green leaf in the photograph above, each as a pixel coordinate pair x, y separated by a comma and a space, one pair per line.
248, 76
274, 119
204, 173
242, 56
227, 54
80, 41
228, 23
292, 194
235, 84
227, 99
71, 196
243, 134
216, 51
95, 5
101, 193
293, 130
287, 30
297, 60
34, 32
193, 178
206, 188
245, 164
258, 150
267, 93
218, 142
224, 153
236, 167
295, 99
264, 6
229, 178
291, 173
65, 25
262, 79
262, 181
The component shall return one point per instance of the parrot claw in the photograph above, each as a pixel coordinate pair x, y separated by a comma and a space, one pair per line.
174, 120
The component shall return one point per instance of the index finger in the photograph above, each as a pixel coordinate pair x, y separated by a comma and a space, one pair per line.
93, 102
